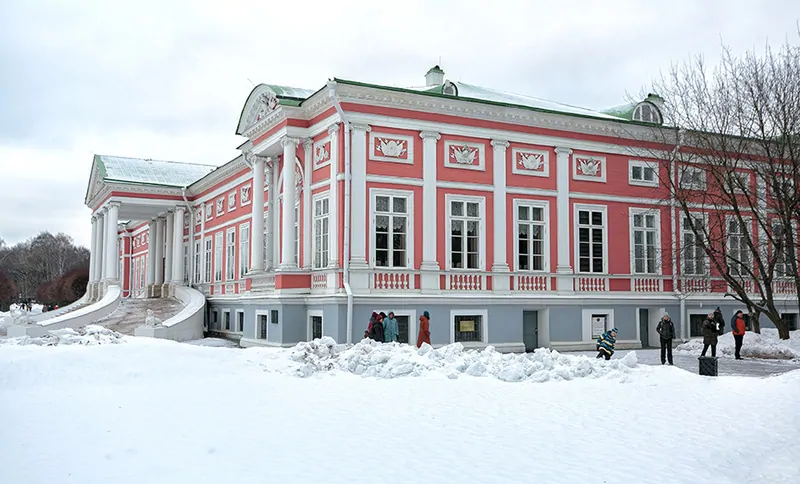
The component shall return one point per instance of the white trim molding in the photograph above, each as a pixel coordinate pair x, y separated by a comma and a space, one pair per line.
632, 211
643, 165
586, 322
467, 151
396, 148
530, 162
309, 328
577, 207
483, 313
481, 201
592, 168
544, 205
410, 221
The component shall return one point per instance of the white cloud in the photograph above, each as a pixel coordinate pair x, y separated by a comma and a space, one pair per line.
167, 80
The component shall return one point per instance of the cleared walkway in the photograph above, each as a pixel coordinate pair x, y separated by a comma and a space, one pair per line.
131, 313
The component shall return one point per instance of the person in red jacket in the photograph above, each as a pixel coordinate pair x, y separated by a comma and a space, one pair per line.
424, 334
738, 333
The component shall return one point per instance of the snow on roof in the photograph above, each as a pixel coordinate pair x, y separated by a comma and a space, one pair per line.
286, 91
156, 172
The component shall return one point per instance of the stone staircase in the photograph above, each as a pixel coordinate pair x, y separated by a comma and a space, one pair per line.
131, 313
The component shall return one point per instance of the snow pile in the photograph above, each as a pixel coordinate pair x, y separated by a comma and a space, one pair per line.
371, 359
766, 345
88, 335
14, 317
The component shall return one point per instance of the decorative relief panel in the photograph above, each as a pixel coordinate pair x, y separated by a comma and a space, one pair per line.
244, 194
393, 148
231, 201
220, 206
589, 168
322, 152
530, 162
462, 154
209, 212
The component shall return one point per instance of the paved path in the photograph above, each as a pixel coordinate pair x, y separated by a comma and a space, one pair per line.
726, 366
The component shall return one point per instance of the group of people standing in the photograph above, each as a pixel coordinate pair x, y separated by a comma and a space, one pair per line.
713, 326
383, 327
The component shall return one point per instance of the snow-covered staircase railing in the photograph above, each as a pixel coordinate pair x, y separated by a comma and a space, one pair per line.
37, 318
73, 319
184, 326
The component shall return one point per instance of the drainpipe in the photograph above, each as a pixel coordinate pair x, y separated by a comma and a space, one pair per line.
346, 246
190, 252
675, 230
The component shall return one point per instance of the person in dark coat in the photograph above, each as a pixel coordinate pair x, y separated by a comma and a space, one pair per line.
424, 334
605, 344
376, 330
719, 320
710, 331
738, 328
666, 329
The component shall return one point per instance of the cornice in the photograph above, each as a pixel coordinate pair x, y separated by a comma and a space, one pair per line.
221, 173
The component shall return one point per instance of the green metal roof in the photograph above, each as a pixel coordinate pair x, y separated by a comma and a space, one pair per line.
624, 111
154, 172
292, 92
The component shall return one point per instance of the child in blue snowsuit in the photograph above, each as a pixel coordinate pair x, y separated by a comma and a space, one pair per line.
605, 344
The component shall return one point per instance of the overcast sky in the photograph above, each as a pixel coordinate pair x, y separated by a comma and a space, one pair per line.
167, 79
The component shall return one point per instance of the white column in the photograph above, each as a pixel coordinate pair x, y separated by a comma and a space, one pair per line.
159, 252
100, 266
257, 216
287, 230
151, 256
169, 236
308, 163
273, 220
358, 197
500, 264
563, 266
177, 246
93, 251
112, 254
429, 278
333, 199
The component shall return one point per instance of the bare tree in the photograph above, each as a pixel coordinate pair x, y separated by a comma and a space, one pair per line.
730, 161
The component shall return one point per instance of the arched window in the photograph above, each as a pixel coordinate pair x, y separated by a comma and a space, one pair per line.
646, 112
449, 89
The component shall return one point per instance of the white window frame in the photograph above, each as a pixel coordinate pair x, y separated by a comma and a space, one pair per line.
581, 176
309, 327
643, 165
244, 249
645, 211
374, 193
483, 313
244, 201
786, 181
219, 248
586, 322
703, 218
256, 332
231, 269
235, 323
740, 174
544, 205
319, 197
232, 200
687, 185
748, 221
413, 322
198, 261
448, 199
793, 233
638, 116
222, 321
208, 258
577, 207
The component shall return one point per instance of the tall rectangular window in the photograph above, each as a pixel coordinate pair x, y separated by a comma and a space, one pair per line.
263, 321
530, 237
591, 240
391, 231
218, 257
230, 255
185, 263
198, 262
239, 321
693, 256
692, 178
226, 320
738, 250
244, 249
783, 248
321, 232
207, 263
644, 236
465, 234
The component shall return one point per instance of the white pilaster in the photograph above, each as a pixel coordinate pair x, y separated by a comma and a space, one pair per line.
169, 237
500, 283
288, 247
112, 255
177, 246
100, 267
159, 251
150, 277
308, 163
359, 277
333, 199
563, 266
429, 275
257, 216
93, 250
274, 220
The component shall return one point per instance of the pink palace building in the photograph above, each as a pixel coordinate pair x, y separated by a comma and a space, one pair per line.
515, 222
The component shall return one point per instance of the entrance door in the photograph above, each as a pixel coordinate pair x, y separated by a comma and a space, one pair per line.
644, 327
316, 327
530, 330
402, 329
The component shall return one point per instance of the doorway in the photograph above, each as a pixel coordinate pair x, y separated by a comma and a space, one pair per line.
530, 330
402, 328
316, 327
644, 327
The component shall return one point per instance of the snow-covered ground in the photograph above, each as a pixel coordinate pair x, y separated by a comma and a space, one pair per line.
162, 412
766, 345
16, 315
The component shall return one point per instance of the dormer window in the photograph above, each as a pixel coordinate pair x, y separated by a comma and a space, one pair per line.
646, 112
449, 89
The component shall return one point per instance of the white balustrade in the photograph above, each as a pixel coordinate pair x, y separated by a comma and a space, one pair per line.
531, 282
466, 281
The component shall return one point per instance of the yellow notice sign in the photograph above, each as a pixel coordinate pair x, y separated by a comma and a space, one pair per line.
466, 326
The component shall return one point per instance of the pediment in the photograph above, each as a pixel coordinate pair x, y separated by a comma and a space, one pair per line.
261, 102
95, 182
